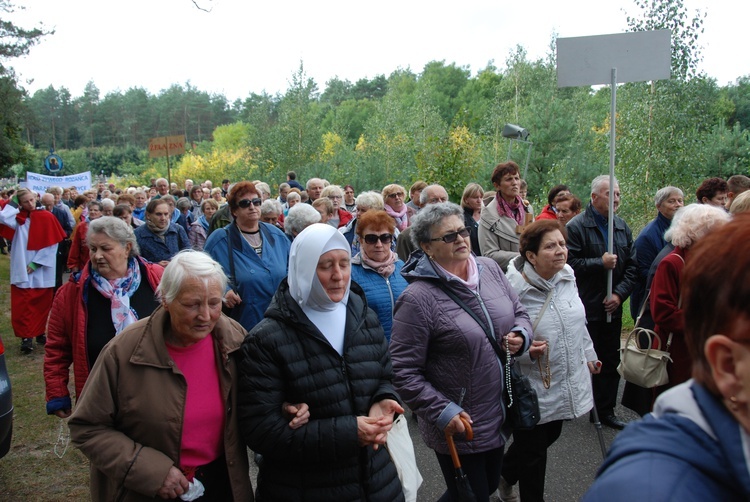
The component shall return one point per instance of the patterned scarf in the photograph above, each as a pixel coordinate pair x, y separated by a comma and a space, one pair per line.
513, 211
402, 220
119, 291
384, 268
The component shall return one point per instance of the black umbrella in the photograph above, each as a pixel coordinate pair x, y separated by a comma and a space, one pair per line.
465, 494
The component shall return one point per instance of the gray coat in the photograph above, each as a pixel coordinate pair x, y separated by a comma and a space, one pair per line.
442, 360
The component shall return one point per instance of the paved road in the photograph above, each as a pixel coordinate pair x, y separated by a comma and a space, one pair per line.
571, 465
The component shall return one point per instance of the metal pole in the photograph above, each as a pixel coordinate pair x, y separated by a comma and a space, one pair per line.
611, 217
528, 158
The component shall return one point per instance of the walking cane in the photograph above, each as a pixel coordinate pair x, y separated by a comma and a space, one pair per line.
597, 423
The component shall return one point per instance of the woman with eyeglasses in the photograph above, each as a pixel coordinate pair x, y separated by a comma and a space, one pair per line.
340, 216
254, 256
394, 197
160, 239
445, 366
377, 267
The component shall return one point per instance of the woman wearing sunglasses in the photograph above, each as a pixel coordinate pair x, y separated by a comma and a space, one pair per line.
258, 259
445, 367
376, 267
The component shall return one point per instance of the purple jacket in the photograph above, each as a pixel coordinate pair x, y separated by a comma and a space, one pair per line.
442, 360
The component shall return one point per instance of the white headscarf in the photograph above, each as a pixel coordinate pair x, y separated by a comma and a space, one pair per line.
307, 248
328, 316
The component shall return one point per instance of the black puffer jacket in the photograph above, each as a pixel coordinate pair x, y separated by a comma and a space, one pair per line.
285, 358
585, 249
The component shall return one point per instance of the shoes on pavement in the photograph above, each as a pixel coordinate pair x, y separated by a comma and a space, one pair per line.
505, 492
41, 340
613, 422
27, 345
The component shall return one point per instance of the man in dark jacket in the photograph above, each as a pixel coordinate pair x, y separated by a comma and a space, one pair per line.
587, 254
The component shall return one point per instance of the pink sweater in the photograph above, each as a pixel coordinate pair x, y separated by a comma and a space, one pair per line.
203, 422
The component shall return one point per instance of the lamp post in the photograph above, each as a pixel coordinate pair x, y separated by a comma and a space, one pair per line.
518, 133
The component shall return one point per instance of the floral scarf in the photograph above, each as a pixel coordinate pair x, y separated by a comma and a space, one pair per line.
119, 291
514, 211
402, 219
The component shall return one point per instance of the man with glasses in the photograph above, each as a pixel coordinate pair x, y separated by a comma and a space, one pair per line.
431, 194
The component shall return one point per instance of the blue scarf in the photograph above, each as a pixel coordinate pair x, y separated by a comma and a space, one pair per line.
204, 222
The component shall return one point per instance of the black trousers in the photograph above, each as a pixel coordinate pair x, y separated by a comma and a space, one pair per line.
606, 338
526, 460
481, 469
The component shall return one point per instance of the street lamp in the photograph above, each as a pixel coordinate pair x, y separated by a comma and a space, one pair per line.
517, 133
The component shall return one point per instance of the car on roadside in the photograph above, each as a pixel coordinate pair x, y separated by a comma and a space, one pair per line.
6, 405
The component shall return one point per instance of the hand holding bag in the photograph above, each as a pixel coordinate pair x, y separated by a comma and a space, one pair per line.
401, 448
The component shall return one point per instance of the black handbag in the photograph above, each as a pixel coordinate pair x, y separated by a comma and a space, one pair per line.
521, 402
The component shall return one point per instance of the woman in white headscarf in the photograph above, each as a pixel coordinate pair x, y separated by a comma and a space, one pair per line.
320, 348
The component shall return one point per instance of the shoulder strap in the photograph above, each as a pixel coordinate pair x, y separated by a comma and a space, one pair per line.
493, 341
541, 312
230, 257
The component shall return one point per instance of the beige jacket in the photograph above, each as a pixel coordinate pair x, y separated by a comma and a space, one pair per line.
128, 421
497, 236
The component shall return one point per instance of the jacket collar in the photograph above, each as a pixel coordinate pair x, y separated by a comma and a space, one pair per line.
589, 220
151, 349
419, 266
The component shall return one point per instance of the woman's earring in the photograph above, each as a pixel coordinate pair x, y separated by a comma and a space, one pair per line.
734, 404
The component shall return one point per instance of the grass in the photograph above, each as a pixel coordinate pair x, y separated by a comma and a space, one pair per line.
31, 470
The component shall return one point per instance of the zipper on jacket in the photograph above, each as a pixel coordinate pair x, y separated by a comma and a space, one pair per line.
390, 292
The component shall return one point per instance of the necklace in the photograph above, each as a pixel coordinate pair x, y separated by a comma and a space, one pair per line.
250, 233
545, 373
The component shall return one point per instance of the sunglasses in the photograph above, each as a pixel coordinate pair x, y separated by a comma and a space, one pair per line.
245, 203
395, 194
451, 237
373, 238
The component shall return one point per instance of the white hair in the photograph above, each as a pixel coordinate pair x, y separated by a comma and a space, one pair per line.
189, 264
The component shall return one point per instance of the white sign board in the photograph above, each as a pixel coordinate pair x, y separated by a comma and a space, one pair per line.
41, 182
638, 57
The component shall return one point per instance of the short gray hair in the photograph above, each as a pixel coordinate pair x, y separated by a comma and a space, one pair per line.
429, 216
117, 230
424, 196
601, 181
183, 203
299, 218
55, 190
370, 199
293, 196
263, 187
693, 222
270, 206
188, 264
663, 194
108, 203
332, 190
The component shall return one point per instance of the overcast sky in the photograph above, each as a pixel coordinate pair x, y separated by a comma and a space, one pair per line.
241, 47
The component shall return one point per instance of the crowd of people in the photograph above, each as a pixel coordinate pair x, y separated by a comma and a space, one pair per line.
200, 322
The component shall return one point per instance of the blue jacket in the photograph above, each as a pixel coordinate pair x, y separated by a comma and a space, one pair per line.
648, 244
381, 292
689, 449
256, 279
154, 249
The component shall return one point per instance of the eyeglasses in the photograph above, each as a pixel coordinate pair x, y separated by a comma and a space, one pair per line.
335, 197
437, 200
396, 194
373, 238
245, 203
451, 237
